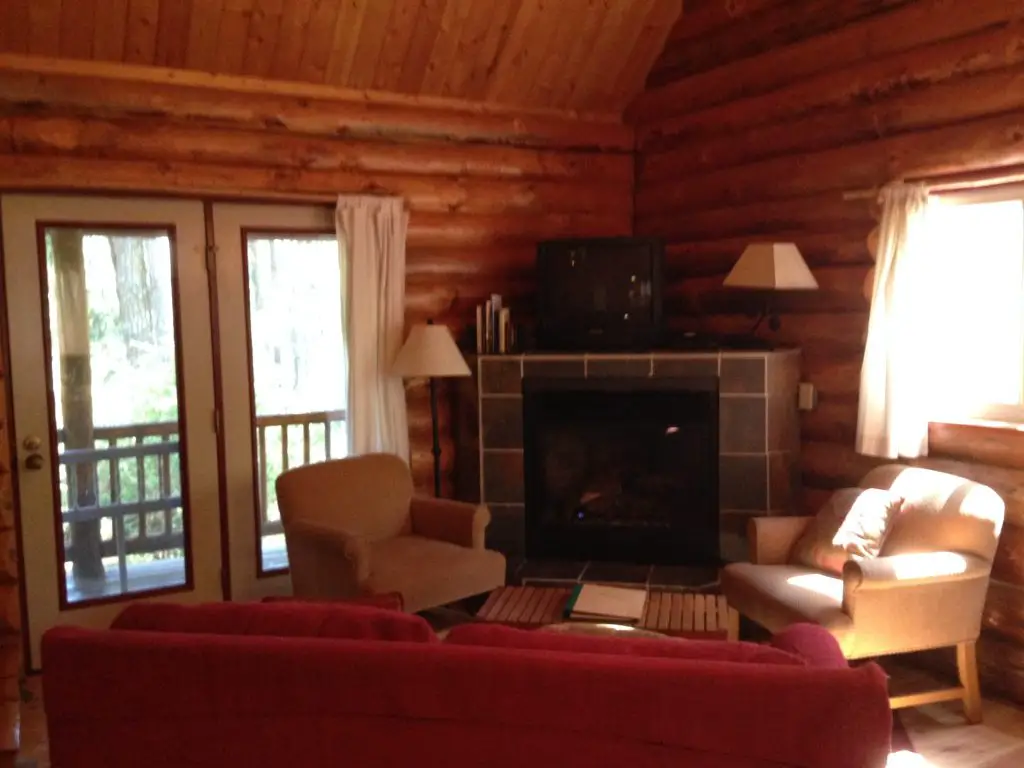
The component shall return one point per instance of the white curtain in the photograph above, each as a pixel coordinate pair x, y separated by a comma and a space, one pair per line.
893, 414
371, 239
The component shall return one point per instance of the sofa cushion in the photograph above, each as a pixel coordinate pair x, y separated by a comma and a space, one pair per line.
498, 636
776, 596
335, 620
853, 523
430, 573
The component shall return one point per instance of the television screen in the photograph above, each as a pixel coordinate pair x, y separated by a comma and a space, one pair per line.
599, 294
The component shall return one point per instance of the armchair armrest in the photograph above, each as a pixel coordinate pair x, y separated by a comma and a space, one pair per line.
456, 522
772, 538
915, 601
326, 562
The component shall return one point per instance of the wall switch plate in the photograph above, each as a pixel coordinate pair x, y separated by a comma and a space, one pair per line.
807, 396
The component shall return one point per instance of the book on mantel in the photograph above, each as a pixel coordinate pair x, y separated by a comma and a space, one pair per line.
597, 602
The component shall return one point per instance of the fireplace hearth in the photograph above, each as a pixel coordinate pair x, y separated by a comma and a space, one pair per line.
622, 470
758, 441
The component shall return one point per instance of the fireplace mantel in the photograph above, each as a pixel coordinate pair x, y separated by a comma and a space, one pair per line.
759, 439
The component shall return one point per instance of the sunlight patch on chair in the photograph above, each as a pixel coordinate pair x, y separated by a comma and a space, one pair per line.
925, 564
820, 583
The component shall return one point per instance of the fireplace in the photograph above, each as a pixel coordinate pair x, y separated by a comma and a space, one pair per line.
622, 469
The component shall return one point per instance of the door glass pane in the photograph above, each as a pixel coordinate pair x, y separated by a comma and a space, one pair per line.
298, 365
116, 410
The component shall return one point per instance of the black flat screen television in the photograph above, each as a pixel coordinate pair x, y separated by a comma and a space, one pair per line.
599, 294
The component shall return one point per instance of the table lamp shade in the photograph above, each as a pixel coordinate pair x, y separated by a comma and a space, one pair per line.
430, 351
771, 266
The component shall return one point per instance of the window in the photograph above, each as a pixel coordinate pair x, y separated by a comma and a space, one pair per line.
973, 286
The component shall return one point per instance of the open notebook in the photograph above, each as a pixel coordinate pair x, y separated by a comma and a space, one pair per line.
596, 602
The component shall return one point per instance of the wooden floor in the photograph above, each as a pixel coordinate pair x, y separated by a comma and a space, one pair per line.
941, 738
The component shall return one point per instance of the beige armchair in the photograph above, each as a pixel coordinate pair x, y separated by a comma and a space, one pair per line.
926, 589
353, 527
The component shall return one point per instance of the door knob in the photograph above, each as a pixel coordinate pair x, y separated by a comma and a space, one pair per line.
34, 462
31, 443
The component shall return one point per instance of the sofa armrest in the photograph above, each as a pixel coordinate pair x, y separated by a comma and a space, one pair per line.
915, 601
772, 538
456, 522
326, 562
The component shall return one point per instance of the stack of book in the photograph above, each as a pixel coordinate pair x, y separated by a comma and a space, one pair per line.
495, 334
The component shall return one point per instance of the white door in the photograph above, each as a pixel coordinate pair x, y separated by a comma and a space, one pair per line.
112, 373
282, 355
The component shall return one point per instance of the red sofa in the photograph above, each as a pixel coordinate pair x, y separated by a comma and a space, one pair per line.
319, 685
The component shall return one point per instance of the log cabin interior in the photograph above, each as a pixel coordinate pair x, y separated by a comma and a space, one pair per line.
706, 125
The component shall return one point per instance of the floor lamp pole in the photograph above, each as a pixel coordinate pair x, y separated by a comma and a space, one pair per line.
436, 450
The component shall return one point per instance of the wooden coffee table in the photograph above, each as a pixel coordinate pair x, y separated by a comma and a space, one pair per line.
680, 614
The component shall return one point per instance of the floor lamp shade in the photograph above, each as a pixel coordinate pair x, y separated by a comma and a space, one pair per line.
430, 352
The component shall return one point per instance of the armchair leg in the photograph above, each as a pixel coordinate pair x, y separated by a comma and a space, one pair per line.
967, 666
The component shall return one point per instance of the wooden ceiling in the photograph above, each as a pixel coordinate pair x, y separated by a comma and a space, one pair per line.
587, 55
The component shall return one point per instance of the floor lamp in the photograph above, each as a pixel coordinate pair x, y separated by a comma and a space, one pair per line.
430, 352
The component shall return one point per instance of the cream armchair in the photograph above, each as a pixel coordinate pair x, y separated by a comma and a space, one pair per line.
353, 527
926, 590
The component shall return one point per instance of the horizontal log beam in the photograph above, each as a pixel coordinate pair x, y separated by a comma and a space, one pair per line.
828, 69
953, 101
711, 257
109, 89
422, 193
795, 218
769, 29
989, 143
147, 138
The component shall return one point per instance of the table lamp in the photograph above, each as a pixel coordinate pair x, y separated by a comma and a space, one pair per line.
430, 352
771, 267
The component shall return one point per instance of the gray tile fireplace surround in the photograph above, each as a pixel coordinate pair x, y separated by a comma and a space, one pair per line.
759, 438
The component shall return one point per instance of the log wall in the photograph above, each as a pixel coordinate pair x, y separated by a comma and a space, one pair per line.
755, 127
482, 183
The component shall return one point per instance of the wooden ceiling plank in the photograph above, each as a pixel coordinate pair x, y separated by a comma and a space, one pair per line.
346, 38
576, 57
109, 34
203, 33
428, 28
646, 49
319, 39
77, 24
368, 46
536, 50
503, 15
140, 33
44, 27
507, 65
446, 46
560, 45
14, 26
291, 39
476, 47
172, 32
605, 49
396, 45
232, 36
264, 29
13, 14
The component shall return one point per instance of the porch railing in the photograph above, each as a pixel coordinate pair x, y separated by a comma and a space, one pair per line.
136, 482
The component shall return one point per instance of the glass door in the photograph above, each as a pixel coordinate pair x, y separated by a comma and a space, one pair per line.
113, 405
282, 355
